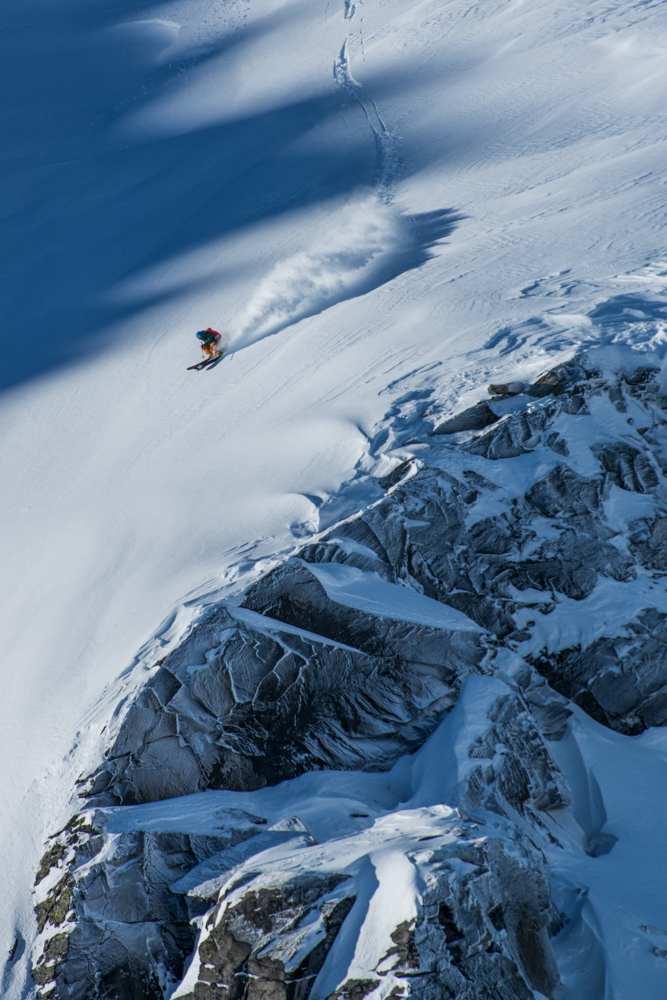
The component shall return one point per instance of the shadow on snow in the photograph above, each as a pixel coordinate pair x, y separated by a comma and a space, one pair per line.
84, 211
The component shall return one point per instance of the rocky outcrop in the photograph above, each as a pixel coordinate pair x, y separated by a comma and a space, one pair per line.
119, 931
113, 916
309, 681
487, 562
507, 548
254, 947
481, 926
245, 702
117, 889
620, 681
474, 419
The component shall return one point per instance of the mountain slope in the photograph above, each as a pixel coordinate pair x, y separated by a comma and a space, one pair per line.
283, 172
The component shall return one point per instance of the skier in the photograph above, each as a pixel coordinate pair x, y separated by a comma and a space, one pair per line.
209, 342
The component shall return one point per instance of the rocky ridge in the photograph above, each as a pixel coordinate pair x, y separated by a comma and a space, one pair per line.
486, 567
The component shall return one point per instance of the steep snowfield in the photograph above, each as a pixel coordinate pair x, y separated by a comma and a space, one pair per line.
283, 171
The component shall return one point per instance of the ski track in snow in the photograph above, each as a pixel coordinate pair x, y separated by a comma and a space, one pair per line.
127, 487
368, 243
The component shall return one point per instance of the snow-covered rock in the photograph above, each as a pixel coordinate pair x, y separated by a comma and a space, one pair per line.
383, 887
505, 577
247, 701
547, 530
481, 917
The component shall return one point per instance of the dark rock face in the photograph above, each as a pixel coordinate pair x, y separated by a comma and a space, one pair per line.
482, 927
255, 948
245, 702
490, 928
621, 681
520, 528
119, 927
473, 419
527, 780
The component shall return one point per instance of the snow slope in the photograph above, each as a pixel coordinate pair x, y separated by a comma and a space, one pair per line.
282, 171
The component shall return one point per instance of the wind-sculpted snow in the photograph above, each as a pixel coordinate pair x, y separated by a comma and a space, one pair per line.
364, 780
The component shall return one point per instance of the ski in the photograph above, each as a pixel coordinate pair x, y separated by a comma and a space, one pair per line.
204, 364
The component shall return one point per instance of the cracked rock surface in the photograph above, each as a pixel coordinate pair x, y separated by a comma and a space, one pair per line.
248, 702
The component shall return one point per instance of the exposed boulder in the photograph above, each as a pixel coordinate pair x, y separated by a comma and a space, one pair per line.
506, 388
473, 419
